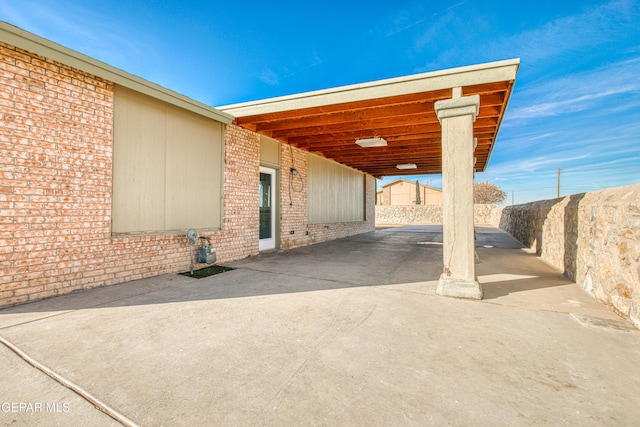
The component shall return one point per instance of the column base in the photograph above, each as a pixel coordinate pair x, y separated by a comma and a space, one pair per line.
459, 288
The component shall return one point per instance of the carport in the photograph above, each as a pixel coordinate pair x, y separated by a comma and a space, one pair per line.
437, 122
344, 332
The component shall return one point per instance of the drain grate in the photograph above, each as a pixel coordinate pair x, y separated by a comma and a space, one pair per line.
206, 272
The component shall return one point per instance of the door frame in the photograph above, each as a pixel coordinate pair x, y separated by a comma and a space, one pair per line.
270, 243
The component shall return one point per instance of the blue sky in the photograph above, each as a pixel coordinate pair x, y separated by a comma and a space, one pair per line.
575, 106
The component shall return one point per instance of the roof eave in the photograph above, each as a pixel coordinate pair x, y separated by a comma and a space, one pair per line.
490, 72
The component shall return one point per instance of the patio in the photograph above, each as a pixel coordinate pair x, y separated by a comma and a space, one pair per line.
347, 332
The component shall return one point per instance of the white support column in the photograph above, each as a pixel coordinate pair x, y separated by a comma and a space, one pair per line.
456, 117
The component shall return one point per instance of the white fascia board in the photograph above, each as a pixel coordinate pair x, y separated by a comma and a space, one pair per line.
22, 39
491, 72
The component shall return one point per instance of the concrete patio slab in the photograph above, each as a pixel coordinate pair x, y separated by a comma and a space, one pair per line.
29, 397
348, 332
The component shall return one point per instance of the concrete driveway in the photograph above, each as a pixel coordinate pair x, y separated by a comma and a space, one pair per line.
348, 332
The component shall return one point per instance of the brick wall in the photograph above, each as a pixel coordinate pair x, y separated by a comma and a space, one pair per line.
55, 176
241, 222
294, 209
56, 146
55, 188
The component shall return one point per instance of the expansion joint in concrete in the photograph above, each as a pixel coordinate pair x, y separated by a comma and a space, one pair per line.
98, 404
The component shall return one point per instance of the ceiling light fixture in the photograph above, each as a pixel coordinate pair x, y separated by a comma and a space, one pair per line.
406, 166
372, 142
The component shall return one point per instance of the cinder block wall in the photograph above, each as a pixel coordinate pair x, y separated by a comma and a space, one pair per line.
593, 237
294, 216
55, 188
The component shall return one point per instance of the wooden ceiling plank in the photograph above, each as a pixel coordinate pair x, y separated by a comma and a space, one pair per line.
358, 151
391, 139
483, 144
366, 118
342, 107
350, 116
378, 131
407, 122
396, 157
485, 88
490, 99
362, 125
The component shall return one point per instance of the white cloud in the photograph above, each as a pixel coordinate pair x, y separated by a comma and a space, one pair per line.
402, 23
269, 77
606, 164
463, 37
577, 92
535, 164
272, 78
585, 30
105, 38
569, 105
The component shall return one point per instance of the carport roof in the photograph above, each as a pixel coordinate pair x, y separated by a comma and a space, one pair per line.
400, 110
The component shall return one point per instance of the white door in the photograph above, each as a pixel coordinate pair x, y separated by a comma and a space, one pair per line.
267, 209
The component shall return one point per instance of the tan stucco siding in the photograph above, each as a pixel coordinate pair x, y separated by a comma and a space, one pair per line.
167, 169
336, 192
269, 151
431, 196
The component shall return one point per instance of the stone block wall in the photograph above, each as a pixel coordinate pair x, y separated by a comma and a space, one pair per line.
432, 214
487, 214
594, 238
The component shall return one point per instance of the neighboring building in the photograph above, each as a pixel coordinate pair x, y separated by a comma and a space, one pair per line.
102, 173
403, 192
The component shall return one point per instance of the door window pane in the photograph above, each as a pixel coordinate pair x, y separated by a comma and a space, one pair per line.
265, 206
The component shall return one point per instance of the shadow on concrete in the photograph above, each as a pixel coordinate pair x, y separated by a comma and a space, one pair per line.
507, 266
408, 256
506, 272
396, 255
531, 227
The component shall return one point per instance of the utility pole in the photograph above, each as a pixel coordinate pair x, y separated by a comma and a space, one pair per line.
558, 183
512, 197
